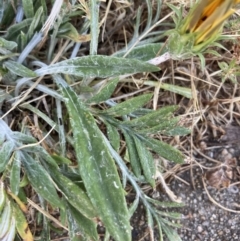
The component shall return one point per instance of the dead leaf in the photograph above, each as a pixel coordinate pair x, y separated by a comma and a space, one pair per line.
223, 174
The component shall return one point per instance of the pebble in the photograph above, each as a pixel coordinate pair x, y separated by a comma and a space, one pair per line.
200, 229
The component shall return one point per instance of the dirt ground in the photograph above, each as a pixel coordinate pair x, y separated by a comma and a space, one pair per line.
209, 188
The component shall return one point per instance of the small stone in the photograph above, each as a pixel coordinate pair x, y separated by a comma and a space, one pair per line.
214, 216
199, 229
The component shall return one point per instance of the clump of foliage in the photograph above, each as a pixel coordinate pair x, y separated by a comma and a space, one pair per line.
61, 133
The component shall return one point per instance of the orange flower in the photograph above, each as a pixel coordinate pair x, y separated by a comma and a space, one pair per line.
200, 28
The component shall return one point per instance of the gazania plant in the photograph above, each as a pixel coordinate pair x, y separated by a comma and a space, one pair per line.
200, 29
79, 148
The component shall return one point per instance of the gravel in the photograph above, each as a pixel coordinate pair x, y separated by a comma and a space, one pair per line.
202, 219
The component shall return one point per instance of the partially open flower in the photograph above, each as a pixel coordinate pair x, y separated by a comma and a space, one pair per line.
200, 28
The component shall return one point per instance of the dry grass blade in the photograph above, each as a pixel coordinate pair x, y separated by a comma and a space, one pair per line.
46, 214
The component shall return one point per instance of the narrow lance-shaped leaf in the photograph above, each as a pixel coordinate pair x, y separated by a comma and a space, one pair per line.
15, 174
163, 149
7, 44
87, 227
165, 125
151, 119
19, 69
7, 13
171, 234
46, 225
128, 106
35, 23
147, 161
16, 29
113, 136
97, 66
40, 179
21, 137
68, 31
177, 130
5, 153
133, 154
74, 194
73, 228
143, 52
105, 92
94, 25
97, 169
28, 8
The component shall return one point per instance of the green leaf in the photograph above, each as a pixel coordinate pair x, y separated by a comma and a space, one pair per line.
22, 195
165, 204
178, 12
177, 131
43, 4
150, 220
128, 106
165, 126
68, 31
10, 45
7, 14
159, 229
164, 150
147, 161
202, 61
28, 8
61, 159
40, 180
22, 40
113, 136
133, 154
16, 29
94, 26
4, 96
143, 52
151, 119
134, 206
171, 224
171, 234
97, 169
86, 226
213, 52
172, 215
97, 66
19, 69
186, 92
73, 228
42, 153
105, 92
45, 156
15, 174
21, 137
35, 23
5, 154
74, 194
